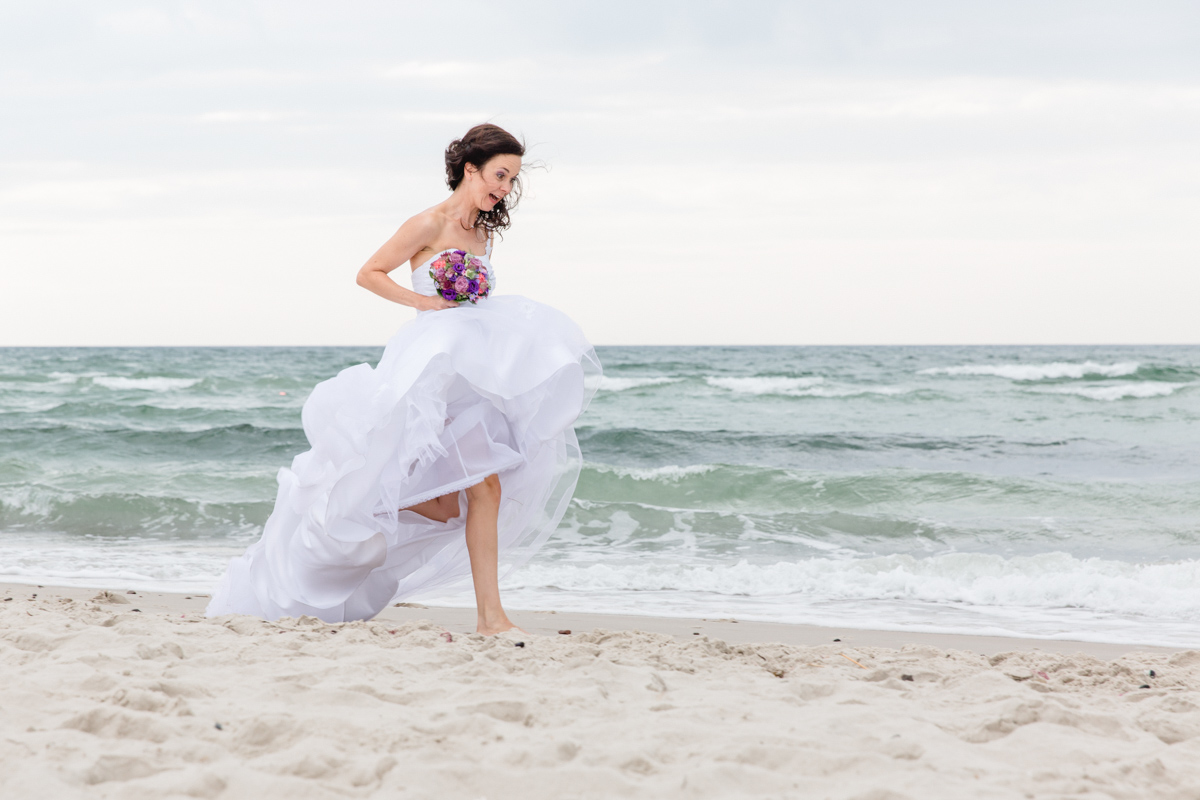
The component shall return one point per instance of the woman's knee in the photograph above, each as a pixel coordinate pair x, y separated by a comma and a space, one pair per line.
488, 491
439, 509
449, 506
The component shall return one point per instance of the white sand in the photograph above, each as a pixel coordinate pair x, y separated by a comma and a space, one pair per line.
100, 701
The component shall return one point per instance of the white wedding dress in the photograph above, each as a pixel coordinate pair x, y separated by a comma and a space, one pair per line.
458, 395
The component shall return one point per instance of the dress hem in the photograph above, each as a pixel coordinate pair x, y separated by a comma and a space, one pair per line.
454, 488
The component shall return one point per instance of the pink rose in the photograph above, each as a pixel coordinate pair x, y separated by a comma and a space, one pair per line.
440, 273
461, 284
439, 264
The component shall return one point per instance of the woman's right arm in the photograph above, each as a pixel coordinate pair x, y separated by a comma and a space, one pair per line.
413, 235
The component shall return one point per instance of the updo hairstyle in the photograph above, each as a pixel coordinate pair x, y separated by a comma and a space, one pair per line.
476, 147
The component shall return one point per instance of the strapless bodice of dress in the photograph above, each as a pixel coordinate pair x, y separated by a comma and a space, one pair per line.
422, 281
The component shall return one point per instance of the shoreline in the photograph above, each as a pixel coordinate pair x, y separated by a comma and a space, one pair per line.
731, 631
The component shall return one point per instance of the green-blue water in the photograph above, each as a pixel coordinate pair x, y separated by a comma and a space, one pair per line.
1045, 491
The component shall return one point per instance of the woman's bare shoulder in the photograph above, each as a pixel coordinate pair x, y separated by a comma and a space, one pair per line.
427, 224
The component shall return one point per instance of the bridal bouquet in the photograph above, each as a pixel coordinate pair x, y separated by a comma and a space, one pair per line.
460, 276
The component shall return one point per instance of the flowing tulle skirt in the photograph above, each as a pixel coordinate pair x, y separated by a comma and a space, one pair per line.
458, 395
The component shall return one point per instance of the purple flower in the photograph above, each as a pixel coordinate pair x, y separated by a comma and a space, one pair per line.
461, 285
473, 287
449, 294
456, 258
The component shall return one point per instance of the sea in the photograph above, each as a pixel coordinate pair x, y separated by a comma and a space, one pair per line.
1041, 491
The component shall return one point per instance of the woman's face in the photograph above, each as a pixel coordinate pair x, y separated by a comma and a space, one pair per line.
490, 183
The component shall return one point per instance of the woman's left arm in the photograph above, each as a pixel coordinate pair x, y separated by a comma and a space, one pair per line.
404, 244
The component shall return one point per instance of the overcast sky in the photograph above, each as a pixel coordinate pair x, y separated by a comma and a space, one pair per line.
717, 173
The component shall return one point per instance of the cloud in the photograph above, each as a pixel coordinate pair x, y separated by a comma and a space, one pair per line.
239, 116
893, 154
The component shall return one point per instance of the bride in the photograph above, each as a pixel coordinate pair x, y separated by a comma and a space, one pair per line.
472, 405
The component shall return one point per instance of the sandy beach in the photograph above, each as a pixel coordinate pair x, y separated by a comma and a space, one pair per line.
136, 695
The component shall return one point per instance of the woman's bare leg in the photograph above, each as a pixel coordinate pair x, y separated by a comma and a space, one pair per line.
439, 509
483, 511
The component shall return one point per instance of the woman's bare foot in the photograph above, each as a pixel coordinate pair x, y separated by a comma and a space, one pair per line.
501, 624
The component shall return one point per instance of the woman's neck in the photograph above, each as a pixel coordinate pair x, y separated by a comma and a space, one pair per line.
460, 207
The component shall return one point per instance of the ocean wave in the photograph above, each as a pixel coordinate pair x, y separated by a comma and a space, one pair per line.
799, 387
881, 499
699, 486
36, 507
1056, 370
171, 565
155, 384
1049, 580
613, 384
845, 451
846, 390
669, 473
765, 384
1118, 391
153, 441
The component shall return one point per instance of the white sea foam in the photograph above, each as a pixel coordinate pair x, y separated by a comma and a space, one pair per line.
670, 472
156, 384
105, 562
763, 384
848, 390
33, 499
799, 387
1048, 580
1039, 372
1119, 391
1051, 595
608, 384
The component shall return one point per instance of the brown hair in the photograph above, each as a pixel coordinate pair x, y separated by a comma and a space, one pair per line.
477, 147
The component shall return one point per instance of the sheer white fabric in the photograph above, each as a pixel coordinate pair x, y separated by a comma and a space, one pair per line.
458, 395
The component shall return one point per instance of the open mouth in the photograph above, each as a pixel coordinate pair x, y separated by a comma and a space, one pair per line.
494, 199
